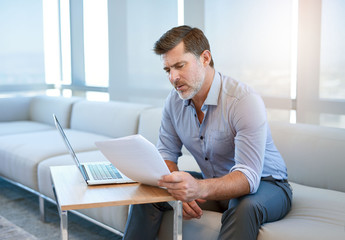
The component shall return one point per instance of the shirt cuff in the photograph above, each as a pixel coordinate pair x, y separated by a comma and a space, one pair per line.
168, 156
252, 177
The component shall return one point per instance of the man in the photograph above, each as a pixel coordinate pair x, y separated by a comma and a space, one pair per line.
222, 122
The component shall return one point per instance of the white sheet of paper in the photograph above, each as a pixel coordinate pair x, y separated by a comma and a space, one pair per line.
136, 157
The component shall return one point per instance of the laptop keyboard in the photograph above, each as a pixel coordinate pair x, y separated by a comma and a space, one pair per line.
104, 172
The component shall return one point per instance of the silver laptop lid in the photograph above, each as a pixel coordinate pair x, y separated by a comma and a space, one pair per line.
69, 147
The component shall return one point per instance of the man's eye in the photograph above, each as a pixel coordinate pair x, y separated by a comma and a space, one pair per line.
179, 66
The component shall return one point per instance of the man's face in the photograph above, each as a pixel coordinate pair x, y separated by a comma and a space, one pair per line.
185, 70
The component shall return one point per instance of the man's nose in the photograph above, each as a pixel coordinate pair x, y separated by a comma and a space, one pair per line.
173, 76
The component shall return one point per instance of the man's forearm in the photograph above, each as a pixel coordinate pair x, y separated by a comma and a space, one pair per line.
171, 165
185, 187
232, 185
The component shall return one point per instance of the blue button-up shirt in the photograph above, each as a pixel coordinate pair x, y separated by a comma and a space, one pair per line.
233, 136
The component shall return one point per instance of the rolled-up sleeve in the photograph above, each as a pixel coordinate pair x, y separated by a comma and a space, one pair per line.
250, 121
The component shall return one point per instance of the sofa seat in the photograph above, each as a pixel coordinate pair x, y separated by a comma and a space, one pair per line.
22, 152
314, 210
19, 127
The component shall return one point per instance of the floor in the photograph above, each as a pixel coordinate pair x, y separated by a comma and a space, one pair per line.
21, 208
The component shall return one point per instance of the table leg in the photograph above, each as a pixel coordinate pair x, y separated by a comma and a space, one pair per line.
63, 218
177, 205
63, 224
42, 208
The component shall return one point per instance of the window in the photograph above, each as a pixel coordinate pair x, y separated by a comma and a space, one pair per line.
332, 64
252, 43
146, 22
135, 72
65, 42
76, 47
51, 41
290, 51
256, 45
21, 43
96, 43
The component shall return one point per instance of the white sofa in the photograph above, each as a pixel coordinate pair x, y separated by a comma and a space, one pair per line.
30, 144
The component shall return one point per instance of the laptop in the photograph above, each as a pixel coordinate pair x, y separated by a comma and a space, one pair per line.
94, 173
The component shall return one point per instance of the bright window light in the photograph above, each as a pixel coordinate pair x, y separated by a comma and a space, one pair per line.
96, 43
180, 12
51, 41
294, 39
97, 96
65, 42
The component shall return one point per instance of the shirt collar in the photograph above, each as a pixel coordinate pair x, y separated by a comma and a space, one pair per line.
213, 94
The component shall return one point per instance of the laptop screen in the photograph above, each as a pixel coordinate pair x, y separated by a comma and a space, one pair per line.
70, 149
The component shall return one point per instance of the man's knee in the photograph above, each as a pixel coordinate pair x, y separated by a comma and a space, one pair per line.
245, 209
144, 220
242, 220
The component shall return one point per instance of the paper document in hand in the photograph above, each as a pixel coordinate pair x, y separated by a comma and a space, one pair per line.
135, 157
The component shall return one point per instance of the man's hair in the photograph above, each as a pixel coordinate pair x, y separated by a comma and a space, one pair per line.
194, 40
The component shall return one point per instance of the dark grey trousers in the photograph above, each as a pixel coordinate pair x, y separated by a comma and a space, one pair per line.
242, 217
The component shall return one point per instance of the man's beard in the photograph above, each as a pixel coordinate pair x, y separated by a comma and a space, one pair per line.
194, 90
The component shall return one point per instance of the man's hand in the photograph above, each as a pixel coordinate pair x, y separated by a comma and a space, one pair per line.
184, 187
192, 209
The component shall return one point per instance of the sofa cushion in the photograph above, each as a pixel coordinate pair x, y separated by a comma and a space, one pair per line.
20, 153
113, 119
149, 124
17, 108
16, 127
187, 163
316, 214
42, 109
314, 155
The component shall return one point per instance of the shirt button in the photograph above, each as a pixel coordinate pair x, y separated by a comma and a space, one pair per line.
201, 137
206, 158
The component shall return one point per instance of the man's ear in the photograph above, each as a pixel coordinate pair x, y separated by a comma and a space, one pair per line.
206, 57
